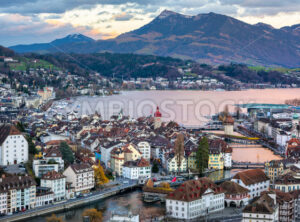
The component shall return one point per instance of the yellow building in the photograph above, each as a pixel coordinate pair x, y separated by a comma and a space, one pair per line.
117, 160
216, 161
273, 169
192, 165
120, 155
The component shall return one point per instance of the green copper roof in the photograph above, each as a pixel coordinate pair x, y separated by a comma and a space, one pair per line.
263, 106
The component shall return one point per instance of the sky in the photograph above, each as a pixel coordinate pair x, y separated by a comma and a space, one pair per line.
38, 21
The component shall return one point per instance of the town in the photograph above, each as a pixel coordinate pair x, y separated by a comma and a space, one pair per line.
142, 111
52, 160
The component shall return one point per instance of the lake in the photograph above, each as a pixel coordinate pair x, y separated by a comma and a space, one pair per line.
184, 107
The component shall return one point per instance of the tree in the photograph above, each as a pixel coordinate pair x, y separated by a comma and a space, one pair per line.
93, 214
31, 146
179, 149
100, 177
67, 153
202, 155
155, 168
20, 126
54, 218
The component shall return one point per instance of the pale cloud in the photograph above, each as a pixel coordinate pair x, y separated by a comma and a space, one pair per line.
44, 20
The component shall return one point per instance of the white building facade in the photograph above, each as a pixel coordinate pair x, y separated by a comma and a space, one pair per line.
81, 177
56, 182
187, 202
13, 146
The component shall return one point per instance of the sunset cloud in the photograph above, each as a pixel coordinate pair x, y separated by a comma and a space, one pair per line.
43, 20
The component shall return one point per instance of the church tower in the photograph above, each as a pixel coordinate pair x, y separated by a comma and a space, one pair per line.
157, 118
228, 125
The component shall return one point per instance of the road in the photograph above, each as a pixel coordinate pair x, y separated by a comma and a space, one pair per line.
92, 196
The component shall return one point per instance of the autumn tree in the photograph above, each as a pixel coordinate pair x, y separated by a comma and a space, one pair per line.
93, 214
54, 218
100, 177
179, 149
202, 155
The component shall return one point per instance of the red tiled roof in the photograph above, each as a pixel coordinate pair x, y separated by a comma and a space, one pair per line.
8, 130
52, 175
194, 189
251, 176
231, 187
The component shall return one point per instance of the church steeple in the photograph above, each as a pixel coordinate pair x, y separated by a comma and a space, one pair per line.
157, 118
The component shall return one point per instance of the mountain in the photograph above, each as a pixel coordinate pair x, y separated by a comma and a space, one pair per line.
206, 38
54, 45
6, 52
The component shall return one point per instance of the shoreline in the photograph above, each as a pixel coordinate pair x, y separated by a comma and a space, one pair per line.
67, 205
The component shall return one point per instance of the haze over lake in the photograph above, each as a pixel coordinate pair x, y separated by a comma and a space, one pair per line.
184, 107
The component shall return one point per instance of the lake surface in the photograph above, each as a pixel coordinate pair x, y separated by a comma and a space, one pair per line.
185, 107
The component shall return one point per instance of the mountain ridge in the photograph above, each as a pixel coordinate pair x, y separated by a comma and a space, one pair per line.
207, 38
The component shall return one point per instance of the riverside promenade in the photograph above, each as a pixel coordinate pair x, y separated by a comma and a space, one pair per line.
123, 185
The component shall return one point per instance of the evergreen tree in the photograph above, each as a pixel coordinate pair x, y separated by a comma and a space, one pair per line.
202, 155
31, 146
155, 168
67, 153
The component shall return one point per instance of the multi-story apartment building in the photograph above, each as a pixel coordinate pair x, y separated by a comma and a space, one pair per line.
175, 164
106, 149
286, 202
13, 146
137, 169
120, 155
254, 180
19, 191
273, 169
41, 167
56, 182
219, 155
192, 161
44, 196
81, 177
54, 154
262, 209
288, 182
195, 198
145, 148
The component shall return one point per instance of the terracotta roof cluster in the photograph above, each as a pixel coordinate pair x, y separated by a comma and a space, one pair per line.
52, 175
58, 142
288, 178
81, 168
251, 176
231, 187
137, 163
263, 205
16, 182
53, 152
282, 197
218, 146
275, 163
194, 189
8, 130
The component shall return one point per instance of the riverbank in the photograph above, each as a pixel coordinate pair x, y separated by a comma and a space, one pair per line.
71, 204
